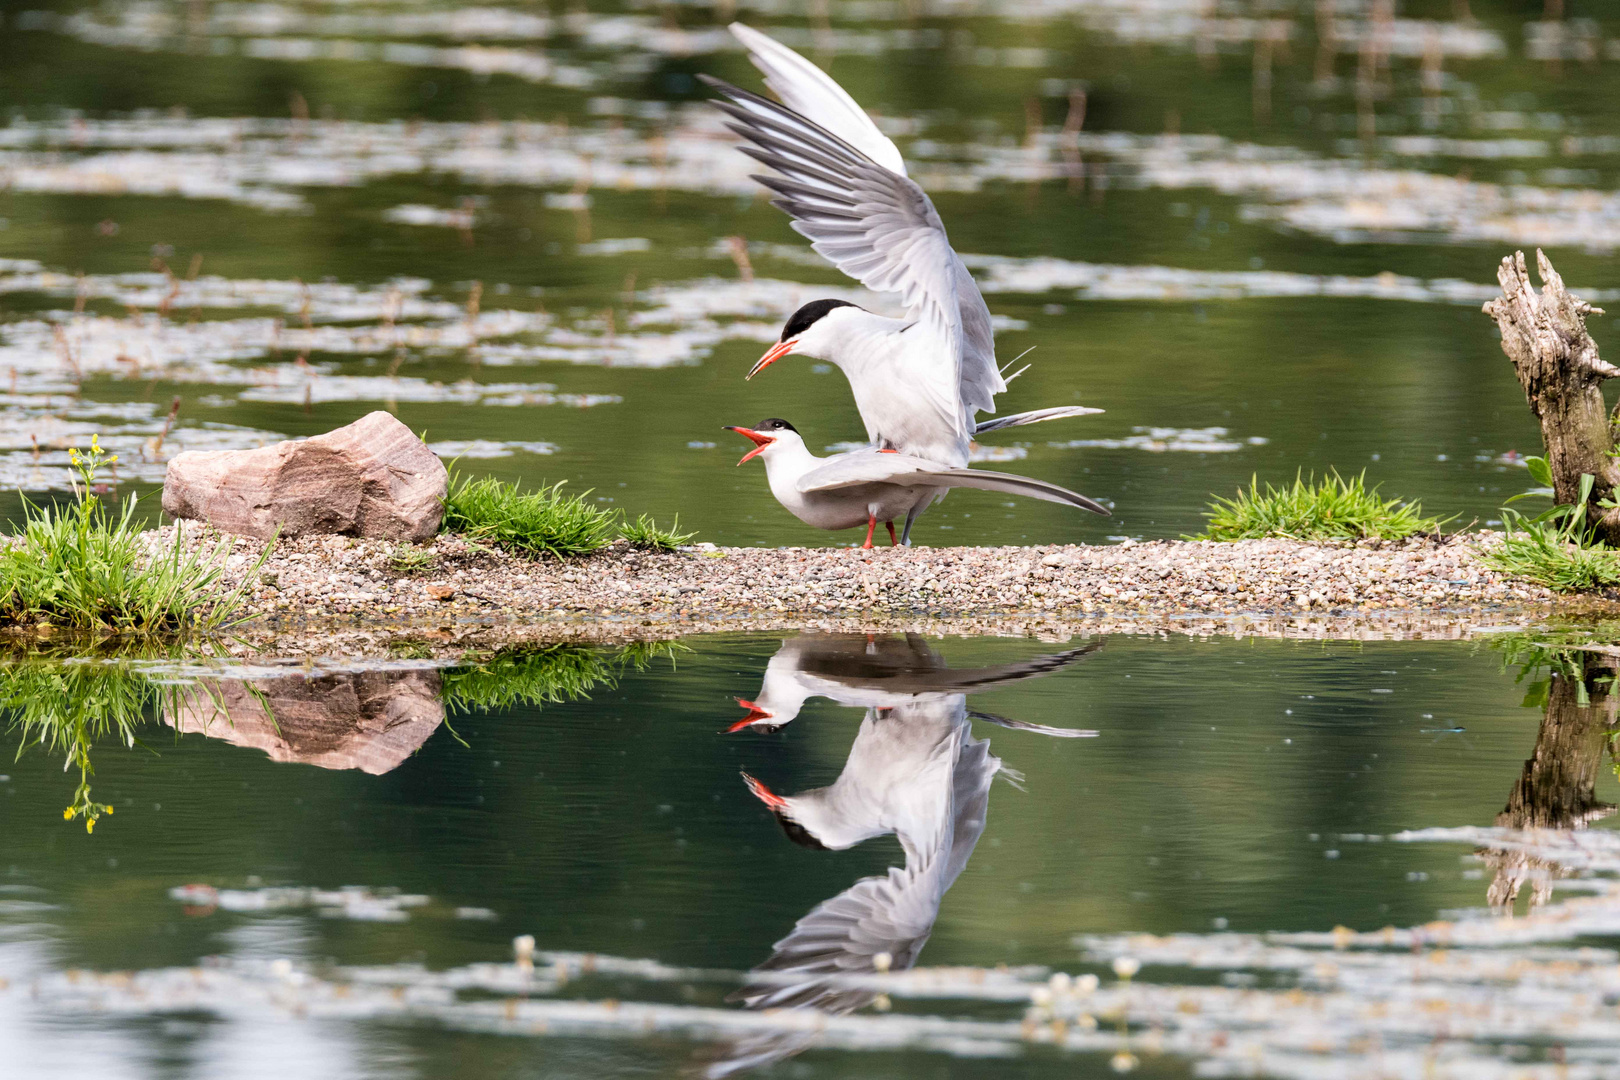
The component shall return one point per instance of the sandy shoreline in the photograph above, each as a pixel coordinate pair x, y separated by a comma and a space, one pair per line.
329, 594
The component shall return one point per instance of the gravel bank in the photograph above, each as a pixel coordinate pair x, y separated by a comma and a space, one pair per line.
342, 581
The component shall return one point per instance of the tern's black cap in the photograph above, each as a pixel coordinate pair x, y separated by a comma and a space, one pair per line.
809, 315
775, 424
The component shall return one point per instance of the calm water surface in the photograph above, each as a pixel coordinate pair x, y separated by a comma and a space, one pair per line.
1264, 250
932, 812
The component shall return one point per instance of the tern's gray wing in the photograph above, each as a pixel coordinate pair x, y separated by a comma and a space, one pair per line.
874, 656
830, 654
960, 680
869, 467
881, 229
812, 93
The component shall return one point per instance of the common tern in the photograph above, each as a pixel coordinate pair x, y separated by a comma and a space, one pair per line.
866, 486
915, 770
918, 381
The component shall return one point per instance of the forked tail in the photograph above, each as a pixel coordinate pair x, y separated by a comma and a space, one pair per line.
1034, 416
1012, 485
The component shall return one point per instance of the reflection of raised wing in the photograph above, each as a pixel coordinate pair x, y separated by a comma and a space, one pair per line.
916, 771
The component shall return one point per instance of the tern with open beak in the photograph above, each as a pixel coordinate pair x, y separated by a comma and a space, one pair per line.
920, 380
864, 487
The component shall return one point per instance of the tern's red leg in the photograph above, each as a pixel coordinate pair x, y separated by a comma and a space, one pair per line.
892, 541
871, 523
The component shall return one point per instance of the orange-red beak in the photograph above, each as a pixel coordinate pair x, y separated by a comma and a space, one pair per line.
763, 793
755, 713
772, 355
760, 441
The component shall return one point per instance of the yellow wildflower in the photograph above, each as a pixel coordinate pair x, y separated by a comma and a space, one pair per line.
89, 824
95, 444
67, 814
109, 809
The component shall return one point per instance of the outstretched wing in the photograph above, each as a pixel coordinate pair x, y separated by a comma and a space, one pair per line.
811, 93
839, 181
878, 466
869, 467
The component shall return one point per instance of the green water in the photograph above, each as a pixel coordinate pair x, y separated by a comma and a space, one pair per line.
1414, 391
1287, 242
1217, 793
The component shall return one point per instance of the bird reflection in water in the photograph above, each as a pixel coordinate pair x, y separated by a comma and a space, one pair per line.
915, 770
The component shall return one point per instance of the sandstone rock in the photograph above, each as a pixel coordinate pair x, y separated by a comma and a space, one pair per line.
373, 477
370, 720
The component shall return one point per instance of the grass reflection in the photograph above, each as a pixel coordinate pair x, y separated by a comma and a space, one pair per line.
545, 675
65, 707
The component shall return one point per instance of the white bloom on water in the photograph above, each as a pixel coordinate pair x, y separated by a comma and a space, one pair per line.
1126, 966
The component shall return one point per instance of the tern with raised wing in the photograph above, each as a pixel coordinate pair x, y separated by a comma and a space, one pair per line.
866, 486
914, 770
919, 381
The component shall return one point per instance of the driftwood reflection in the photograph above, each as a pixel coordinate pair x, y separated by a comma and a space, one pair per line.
366, 720
916, 770
1556, 790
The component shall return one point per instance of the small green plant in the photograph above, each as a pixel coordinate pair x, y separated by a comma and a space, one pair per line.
1556, 548
1332, 508
410, 559
83, 568
544, 522
645, 533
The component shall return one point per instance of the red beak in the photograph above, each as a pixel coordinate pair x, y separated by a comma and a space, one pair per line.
763, 793
754, 713
760, 441
772, 355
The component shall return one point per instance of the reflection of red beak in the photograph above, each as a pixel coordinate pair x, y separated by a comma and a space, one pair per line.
760, 441
763, 793
772, 355
755, 713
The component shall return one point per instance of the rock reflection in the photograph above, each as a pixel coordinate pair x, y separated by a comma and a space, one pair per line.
1556, 790
915, 770
366, 720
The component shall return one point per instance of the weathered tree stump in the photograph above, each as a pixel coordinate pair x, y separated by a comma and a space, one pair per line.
1558, 787
1558, 366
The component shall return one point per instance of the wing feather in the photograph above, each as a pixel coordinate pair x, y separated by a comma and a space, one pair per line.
836, 170
812, 93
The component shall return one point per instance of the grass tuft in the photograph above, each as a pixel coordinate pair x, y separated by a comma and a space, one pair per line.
544, 522
1332, 508
80, 567
1556, 550
645, 533
1539, 554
